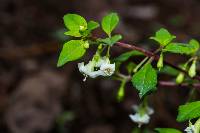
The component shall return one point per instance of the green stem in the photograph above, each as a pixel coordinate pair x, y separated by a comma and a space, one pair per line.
140, 64
108, 52
123, 77
152, 58
143, 106
145, 103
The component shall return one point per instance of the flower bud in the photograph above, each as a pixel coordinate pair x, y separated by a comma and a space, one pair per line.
192, 70
100, 47
86, 45
82, 28
160, 62
180, 78
120, 93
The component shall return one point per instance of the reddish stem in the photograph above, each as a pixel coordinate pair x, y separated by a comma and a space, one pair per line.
151, 54
173, 84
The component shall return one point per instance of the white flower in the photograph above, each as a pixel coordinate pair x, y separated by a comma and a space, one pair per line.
103, 64
88, 70
107, 69
190, 129
140, 119
102, 60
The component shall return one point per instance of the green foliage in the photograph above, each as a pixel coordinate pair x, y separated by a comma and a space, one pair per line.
192, 69
180, 78
163, 37
145, 80
182, 48
197, 126
75, 22
92, 25
77, 25
188, 111
110, 40
73, 33
167, 130
160, 61
130, 67
125, 56
71, 51
109, 23
195, 44
169, 70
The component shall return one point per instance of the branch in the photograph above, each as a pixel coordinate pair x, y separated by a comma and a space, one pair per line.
151, 54
162, 83
173, 84
133, 47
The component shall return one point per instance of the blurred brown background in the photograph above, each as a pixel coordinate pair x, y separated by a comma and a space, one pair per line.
37, 97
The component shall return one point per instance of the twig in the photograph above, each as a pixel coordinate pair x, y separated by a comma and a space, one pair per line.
162, 83
151, 54
133, 47
173, 84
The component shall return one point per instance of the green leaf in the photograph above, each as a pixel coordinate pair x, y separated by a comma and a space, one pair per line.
181, 48
163, 37
169, 71
195, 44
188, 111
115, 39
73, 33
125, 56
167, 130
145, 80
130, 67
92, 25
75, 22
71, 51
109, 22
110, 41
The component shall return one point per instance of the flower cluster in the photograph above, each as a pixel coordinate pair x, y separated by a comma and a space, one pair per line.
142, 115
95, 68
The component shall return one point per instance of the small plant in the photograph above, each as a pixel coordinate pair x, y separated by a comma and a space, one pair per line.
142, 75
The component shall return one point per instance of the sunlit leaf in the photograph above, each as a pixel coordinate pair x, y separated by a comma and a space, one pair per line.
188, 111
182, 48
71, 51
109, 22
75, 22
110, 40
92, 25
145, 80
163, 37
167, 130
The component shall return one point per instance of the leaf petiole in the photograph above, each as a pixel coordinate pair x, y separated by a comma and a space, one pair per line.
140, 64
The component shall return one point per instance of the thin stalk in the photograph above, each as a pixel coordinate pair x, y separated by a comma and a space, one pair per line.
140, 64
108, 52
